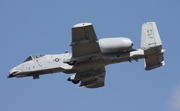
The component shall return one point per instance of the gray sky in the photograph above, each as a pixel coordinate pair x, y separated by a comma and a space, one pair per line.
42, 26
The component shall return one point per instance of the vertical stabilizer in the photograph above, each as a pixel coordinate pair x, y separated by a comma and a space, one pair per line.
152, 46
150, 36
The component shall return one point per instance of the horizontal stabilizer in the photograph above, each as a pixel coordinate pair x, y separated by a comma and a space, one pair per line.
152, 46
154, 61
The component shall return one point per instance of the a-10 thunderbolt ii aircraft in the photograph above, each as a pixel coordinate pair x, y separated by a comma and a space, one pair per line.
90, 56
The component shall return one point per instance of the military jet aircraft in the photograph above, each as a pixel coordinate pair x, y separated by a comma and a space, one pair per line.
90, 56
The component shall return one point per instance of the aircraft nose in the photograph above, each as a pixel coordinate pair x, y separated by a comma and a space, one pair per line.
13, 72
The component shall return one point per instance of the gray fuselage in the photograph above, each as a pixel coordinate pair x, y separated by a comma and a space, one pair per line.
48, 64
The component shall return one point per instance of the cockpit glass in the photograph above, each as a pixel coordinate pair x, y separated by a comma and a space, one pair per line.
38, 56
34, 57
29, 58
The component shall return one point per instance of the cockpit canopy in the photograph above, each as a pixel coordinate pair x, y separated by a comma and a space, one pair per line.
31, 57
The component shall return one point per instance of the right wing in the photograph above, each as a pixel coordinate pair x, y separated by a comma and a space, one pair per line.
93, 78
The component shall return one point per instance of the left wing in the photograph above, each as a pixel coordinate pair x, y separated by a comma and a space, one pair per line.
86, 48
84, 43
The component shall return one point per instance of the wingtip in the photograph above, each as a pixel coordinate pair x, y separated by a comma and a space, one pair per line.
82, 25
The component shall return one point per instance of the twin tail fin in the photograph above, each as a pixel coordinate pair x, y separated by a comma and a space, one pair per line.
152, 46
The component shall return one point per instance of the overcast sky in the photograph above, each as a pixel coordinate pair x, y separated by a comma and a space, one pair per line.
44, 26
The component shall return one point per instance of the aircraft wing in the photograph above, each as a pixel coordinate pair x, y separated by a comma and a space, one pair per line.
92, 78
84, 42
86, 48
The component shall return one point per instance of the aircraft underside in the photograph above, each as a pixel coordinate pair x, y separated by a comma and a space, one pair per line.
89, 56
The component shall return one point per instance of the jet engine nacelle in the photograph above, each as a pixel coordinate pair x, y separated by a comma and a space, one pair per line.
115, 45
